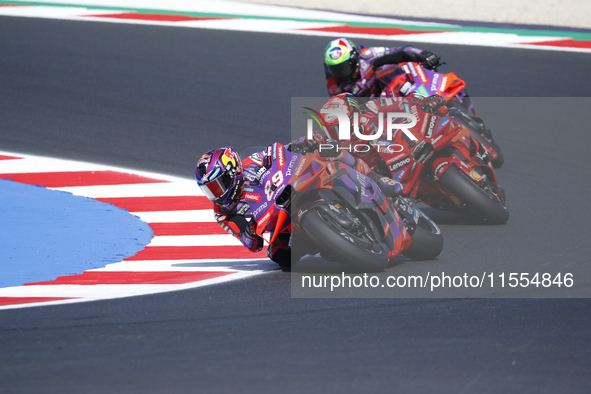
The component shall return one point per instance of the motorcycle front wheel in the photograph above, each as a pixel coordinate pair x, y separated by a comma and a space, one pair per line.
427, 240
354, 246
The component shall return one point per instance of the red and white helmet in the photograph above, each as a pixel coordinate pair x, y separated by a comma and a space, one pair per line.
344, 102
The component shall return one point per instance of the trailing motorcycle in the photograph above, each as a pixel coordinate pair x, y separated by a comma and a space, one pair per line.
328, 207
442, 165
446, 167
403, 79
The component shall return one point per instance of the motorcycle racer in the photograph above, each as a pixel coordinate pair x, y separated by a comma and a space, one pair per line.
351, 68
222, 176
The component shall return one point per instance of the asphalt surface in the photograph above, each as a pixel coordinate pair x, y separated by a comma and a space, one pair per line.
156, 98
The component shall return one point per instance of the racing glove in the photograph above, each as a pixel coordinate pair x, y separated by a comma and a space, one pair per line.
433, 104
429, 60
250, 239
303, 146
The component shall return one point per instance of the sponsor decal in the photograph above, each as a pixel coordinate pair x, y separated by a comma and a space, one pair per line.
228, 159
257, 159
253, 197
329, 118
366, 52
205, 159
433, 142
434, 86
412, 70
334, 208
331, 168
261, 173
415, 112
422, 74
260, 209
275, 151
219, 217
336, 53
443, 85
398, 176
399, 164
442, 124
300, 167
301, 213
407, 208
243, 209
372, 107
281, 156
264, 219
431, 126
291, 163
439, 169
406, 88
476, 176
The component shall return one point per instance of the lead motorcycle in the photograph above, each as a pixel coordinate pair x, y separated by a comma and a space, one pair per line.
403, 79
328, 207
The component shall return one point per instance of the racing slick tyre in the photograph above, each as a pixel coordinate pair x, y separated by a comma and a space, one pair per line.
479, 200
353, 247
427, 240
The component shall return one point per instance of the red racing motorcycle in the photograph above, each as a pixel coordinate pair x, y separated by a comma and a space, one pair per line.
443, 166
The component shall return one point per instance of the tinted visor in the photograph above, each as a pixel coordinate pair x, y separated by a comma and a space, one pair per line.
343, 70
218, 188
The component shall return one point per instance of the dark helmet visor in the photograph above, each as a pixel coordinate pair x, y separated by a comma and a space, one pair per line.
342, 71
216, 189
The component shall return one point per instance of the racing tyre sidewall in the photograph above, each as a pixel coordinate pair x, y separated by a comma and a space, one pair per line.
329, 240
427, 241
454, 180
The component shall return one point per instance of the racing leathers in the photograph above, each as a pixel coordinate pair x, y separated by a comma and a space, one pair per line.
364, 83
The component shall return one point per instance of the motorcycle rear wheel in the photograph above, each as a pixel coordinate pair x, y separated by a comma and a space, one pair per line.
348, 248
477, 199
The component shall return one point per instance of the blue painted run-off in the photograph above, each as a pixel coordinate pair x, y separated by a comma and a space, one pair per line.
47, 233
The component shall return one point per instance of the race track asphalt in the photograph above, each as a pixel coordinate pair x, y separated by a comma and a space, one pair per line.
156, 98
